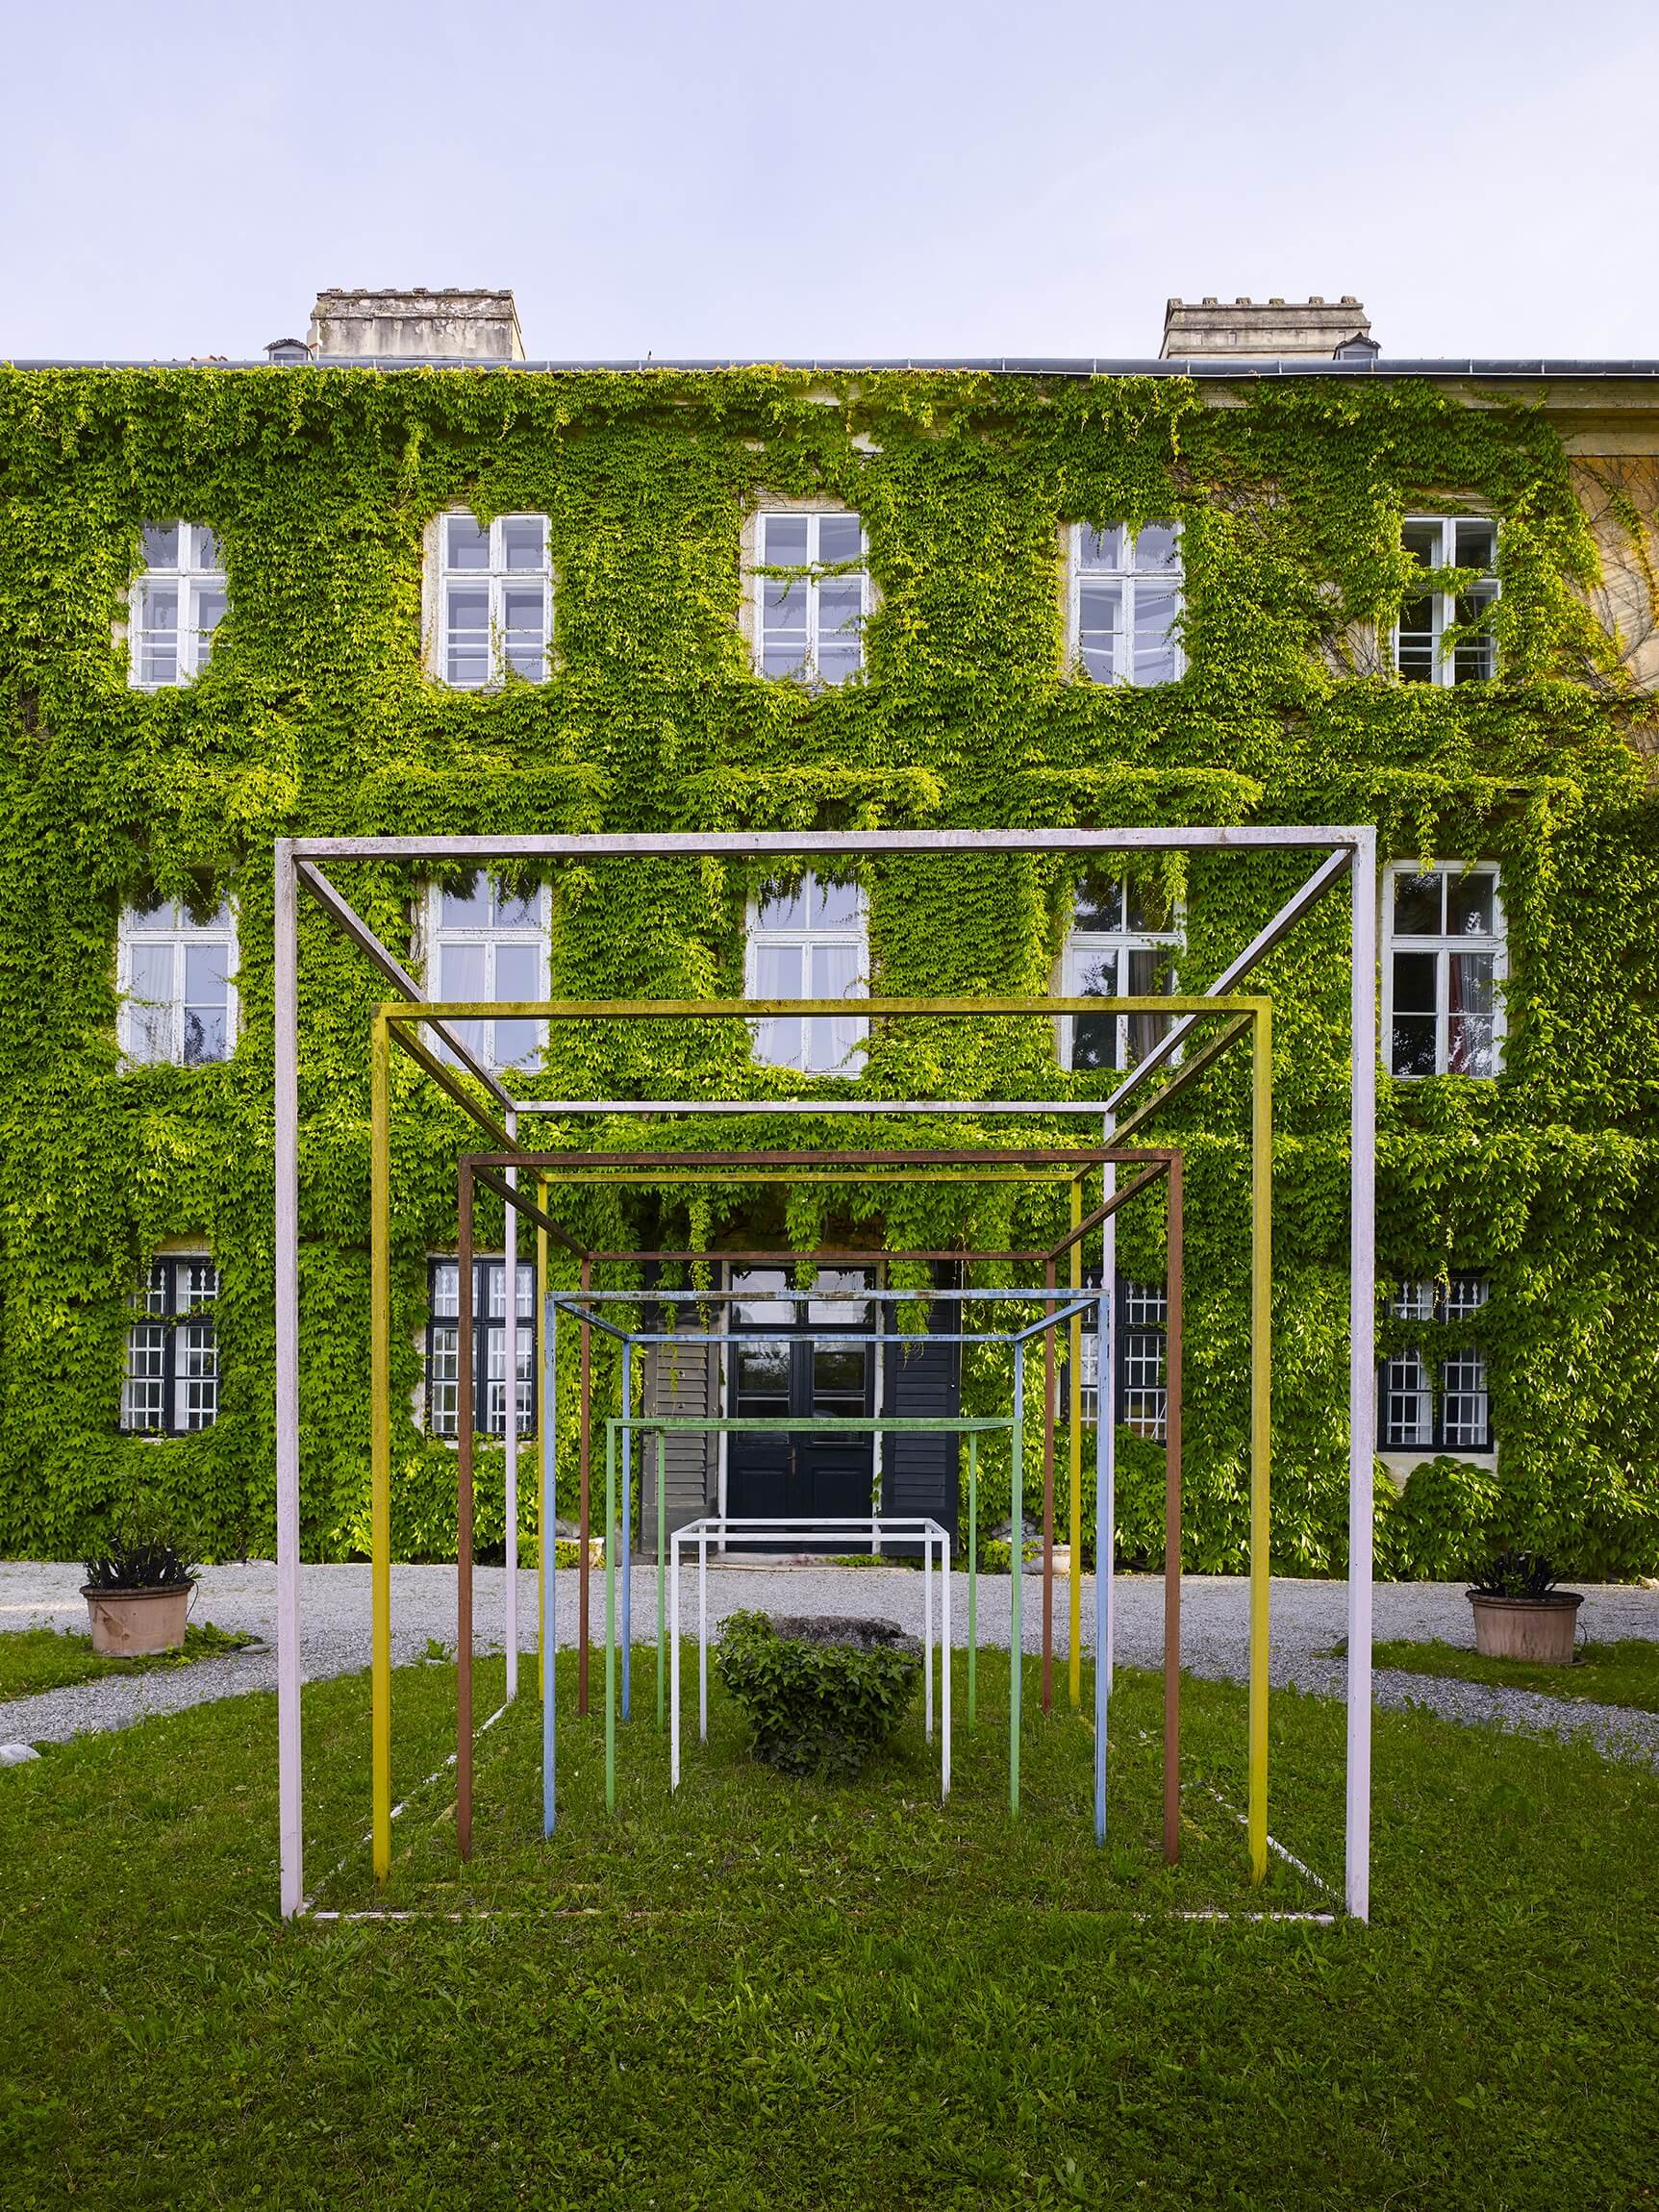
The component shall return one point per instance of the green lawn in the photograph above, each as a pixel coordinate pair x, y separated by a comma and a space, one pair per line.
1624, 1673
772, 1996
37, 1659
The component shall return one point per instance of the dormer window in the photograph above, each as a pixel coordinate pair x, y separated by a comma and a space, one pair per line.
175, 604
494, 599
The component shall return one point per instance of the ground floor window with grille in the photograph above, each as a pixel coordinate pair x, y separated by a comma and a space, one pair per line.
1434, 1398
171, 1387
1143, 1316
488, 1351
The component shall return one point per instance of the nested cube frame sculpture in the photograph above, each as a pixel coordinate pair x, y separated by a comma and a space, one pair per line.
1340, 851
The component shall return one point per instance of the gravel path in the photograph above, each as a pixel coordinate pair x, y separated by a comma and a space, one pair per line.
1307, 1620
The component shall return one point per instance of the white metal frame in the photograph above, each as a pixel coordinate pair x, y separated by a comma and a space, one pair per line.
191, 578
872, 1529
1441, 947
1349, 850
180, 933
850, 937
1483, 588
490, 936
1128, 578
495, 580
812, 575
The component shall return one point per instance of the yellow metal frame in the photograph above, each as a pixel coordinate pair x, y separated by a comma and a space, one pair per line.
1245, 1013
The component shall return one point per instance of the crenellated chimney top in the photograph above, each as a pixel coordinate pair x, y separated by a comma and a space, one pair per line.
1273, 329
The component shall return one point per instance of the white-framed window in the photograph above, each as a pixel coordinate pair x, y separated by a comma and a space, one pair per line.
1125, 602
171, 1384
812, 596
174, 605
488, 1348
489, 943
809, 942
1462, 550
1142, 1320
1444, 959
494, 599
176, 976
1123, 944
1413, 1414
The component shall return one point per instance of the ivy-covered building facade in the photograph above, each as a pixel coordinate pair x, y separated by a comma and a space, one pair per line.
328, 595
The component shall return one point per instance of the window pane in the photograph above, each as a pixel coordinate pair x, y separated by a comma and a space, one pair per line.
1472, 658
1094, 1040
1408, 1409
465, 544
780, 971
833, 1286
205, 548
840, 620
150, 966
525, 634
1157, 548
1420, 541
467, 909
1148, 975
206, 1035
519, 971
442, 1373
835, 970
1100, 630
764, 1374
1093, 975
1413, 1042
152, 914
1416, 905
1469, 906
207, 972
757, 1310
149, 1012
161, 545
446, 1289
158, 620
1415, 648
837, 1378
1414, 982
1476, 545
1100, 548
840, 539
209, 613
832, 905
786, 910
515, 911
784, 542
838, 664
466, 623
832, 1047
523, 542
1099, 904
1155, 614
778, 1041
1465, 1421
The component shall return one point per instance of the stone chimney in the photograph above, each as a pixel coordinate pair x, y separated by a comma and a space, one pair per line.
415, 325
1214, 330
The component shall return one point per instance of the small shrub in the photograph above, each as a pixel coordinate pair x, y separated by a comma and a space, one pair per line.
1516, 1574
143, 1551
822, 1696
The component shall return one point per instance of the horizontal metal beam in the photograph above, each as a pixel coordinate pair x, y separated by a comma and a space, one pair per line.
1081, 1156
872, 1108
855, 1009
520, 1204
791, 845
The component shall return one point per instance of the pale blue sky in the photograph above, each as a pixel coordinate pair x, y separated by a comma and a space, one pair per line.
846, 177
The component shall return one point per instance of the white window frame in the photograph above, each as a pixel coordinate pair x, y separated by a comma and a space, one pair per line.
1484, 588
178, 935
1129, 579
481, 1036
812, 575
853, 935
190, 1366
1442, 946
1082, 944
190, 578
497, 580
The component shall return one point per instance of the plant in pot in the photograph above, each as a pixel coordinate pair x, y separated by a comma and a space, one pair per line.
138, 1586
1519, 1613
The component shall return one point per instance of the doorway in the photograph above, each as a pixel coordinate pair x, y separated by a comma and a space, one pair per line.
799, 1470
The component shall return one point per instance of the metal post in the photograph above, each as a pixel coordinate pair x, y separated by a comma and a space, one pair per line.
1048, 1379
1261, 1421
1362, 1371
661, 1525
510, 1454
674, 1661
585, 1522
702, 1637
972, 1578
1174, 1242
944, 1661
628, 1536
1074, 1456
464, 1417
1105, 1536
1017, 1568
380, 1438
926, 1637
291, 1829
610, 1616
1106, 1406
547, 1511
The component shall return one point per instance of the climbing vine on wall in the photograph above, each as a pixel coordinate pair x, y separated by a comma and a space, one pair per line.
316, 715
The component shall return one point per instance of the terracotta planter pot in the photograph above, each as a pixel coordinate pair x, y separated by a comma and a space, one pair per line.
1540, 1629
127, 1623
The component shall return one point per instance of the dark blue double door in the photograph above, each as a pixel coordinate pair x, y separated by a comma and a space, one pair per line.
801, 1471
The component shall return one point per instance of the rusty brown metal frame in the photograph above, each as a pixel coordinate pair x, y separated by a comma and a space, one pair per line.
483, 1168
